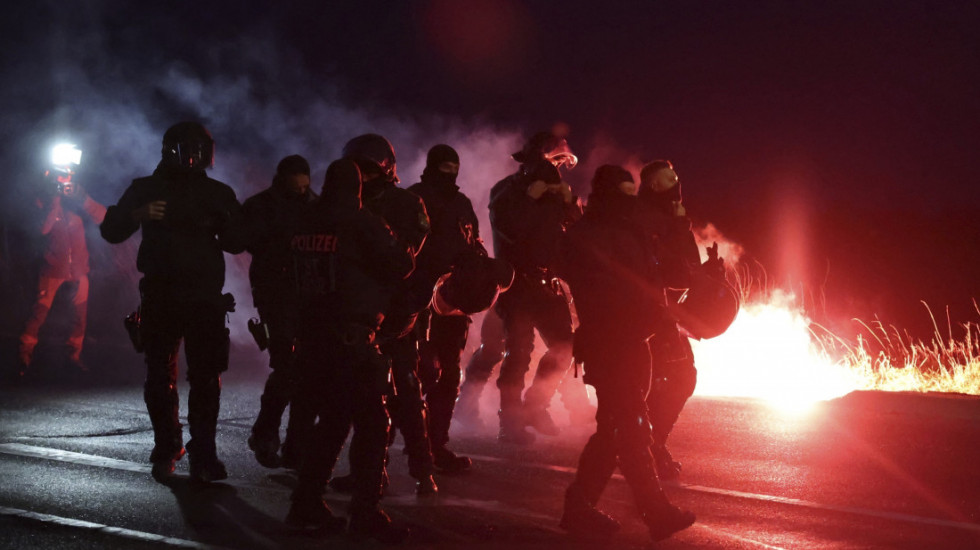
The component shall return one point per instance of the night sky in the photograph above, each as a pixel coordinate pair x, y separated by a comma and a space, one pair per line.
836, 142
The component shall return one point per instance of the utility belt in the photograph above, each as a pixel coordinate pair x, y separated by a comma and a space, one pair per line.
542, 279
354, 334
159, 291
168, 290
371, 367
316, 333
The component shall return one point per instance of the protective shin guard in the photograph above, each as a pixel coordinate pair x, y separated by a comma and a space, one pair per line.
203, 404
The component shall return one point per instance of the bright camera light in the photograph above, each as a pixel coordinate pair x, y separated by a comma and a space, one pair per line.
66, 154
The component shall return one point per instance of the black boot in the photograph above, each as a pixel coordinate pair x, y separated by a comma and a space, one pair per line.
467, 411
511, 413
668, 469
207, 469
540, 419
164, 465
374, 523
426, 485
266, 449
512, 430
581, 519
203, 402
664, 519
450, 462
168, 436
313, 514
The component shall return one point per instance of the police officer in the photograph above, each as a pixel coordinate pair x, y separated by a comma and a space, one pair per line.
348, 264
479, 369
405, 214
529, 212
611, 270
188, 221
675, 375
455, 233
272, 216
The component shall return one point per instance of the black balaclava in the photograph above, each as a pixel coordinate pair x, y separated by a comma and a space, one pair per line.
445, 182
606, 194
289, 166
607, 179
341, 191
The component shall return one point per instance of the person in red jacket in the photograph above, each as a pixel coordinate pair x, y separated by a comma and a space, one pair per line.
65, 212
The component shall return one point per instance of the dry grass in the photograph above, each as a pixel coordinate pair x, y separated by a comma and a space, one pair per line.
884, 357
890, 360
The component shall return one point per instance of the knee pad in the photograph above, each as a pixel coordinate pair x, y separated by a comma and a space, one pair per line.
158, 391
376, 420
633, 433
686, 381
409, 405
203, 381
208, 352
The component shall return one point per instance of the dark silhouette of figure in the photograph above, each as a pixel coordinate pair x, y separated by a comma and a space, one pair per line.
529, 212
273, 216
188, 221
674, 373
348, 267
406, 216
479, 369
610, 267
455, 233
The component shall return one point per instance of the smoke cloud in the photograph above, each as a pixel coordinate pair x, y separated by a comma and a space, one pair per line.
90, 82
709, 235
260, 105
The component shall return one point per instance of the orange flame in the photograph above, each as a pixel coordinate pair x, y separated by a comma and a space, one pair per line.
773, 352
769, 353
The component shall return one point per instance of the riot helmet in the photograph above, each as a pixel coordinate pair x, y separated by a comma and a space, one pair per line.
709, 305
373, 153
540, 169
548, 146
472, 286
188, 146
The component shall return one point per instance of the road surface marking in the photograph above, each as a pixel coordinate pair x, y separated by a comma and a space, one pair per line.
896, 516
722, 532
91, 460
72, 457
106, 529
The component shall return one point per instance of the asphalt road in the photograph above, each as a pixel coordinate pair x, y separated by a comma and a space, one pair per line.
870, 470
